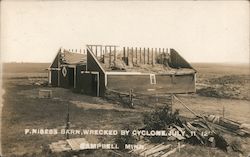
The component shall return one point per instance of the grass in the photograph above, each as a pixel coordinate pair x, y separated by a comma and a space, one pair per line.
23, 109
21, 112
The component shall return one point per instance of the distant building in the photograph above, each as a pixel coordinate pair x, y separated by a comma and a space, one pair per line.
143, 70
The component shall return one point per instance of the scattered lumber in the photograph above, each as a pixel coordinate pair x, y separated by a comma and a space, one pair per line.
157, 149
173, 151
67, 145
229, 125
60, 146
151, 150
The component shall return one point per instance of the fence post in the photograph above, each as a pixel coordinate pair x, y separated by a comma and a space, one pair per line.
172, 103
67, 121
131, 98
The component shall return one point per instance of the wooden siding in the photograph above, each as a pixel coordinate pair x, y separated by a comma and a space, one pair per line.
54, 78
93, 66
141, 83
87, 84
68, 80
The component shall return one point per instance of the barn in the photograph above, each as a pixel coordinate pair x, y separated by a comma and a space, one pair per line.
109, 67
66, 68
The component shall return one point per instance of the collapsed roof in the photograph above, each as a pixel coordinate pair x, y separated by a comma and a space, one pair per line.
143, 60
72, 58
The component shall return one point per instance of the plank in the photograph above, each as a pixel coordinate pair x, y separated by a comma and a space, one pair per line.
163, 147
151, 149
76, 142
172, 151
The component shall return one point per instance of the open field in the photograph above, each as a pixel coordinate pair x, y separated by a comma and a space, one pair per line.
24, 110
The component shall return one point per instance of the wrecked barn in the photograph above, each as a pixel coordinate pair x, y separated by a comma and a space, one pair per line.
102, 68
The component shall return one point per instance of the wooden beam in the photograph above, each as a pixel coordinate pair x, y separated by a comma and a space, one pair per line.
153, 60
140, 54
96, 51
156, 55
161, 59
144, 55
101, 51
132, 55
110, 56
128, 55
124, 51
136, 55
114, 53
148, 56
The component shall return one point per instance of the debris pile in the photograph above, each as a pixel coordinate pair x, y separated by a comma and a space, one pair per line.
203, 130
151, 150
228, 125
67, 145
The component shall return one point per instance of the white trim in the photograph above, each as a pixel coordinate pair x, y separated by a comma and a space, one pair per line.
98, 83
89, 72
94, 72
70, 66
85, 72
49, 73
106, 79
54, 69
125, 73
152, 79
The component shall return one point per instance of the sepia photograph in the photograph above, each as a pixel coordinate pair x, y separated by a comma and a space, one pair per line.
124, 78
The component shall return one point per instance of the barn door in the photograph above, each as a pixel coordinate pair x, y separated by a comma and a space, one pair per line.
95, 84
90, 83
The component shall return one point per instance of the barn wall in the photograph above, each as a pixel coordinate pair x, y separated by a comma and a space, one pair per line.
87, 84
54, 78
177, 61
93, 66
64, 80
141, 83
68, 80
79, 68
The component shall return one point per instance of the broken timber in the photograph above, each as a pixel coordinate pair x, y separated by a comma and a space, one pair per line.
67, 145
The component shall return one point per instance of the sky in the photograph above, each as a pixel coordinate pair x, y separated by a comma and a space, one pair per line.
201, 31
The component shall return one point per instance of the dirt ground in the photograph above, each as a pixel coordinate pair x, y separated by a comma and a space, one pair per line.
22, 109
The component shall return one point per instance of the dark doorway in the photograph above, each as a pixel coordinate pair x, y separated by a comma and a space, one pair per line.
54, 78
89, 84
71, 77
94, 84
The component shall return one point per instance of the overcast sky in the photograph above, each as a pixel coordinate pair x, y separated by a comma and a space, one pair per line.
201, 31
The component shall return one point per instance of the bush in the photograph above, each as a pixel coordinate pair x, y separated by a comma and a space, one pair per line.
160, 119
